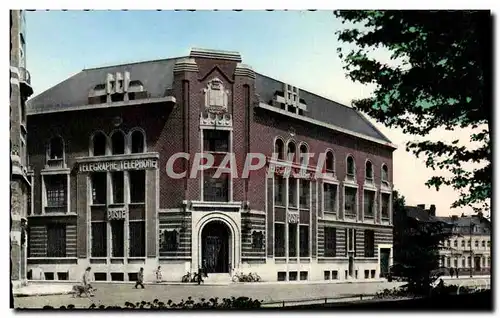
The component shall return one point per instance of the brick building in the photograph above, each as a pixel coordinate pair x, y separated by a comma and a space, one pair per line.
102, 195
20, 90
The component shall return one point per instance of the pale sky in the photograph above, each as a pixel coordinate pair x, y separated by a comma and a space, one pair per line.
297, 47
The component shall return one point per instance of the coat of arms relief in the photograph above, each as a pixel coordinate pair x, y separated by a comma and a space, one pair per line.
216, 96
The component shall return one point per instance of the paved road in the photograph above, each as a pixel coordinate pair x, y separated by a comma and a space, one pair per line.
118, 294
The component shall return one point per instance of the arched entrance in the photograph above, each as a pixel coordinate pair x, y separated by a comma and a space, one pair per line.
215, 247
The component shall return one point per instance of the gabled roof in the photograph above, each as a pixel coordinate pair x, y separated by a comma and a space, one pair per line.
321, 108
462, 224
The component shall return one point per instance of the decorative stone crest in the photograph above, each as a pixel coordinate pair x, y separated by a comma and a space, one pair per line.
216, 97
215, 119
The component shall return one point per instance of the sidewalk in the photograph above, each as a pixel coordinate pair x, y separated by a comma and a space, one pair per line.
42, 290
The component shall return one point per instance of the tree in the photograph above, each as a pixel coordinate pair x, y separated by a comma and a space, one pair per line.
439, 83
416, 248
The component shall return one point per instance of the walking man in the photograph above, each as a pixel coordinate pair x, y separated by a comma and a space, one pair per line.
86, 281
140, 278
451, 272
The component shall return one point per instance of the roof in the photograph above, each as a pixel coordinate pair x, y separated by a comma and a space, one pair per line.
321, 108
461, 225
157, 77
419, 214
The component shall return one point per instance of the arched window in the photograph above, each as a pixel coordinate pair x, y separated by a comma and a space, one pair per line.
99, 144
137, 141
330, 162
118, 143
56, 148
290, 154
279, 148
351, 168
385, 173
369, 170
303, 153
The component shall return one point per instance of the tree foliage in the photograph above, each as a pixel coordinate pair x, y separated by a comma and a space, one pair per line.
439, 82
417, 244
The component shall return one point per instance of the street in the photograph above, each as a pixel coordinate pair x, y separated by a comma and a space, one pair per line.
117, 294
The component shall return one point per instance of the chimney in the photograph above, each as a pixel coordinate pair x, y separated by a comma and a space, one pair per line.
454, 218
480, 215
422, 206
432, 210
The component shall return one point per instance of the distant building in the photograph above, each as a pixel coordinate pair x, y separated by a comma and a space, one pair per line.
469, 249
20, 186
103, 195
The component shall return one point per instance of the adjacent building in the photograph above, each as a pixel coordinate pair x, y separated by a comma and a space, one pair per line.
113, 185
20, 185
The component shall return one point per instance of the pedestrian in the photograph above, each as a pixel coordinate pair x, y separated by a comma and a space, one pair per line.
451, 272
158, 274
86, 281
456, 272
140, 278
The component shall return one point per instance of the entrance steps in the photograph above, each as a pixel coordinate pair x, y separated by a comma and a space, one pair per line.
217, 278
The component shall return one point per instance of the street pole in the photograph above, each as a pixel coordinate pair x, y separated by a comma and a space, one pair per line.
471, 259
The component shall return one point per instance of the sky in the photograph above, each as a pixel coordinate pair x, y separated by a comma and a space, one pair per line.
297, 47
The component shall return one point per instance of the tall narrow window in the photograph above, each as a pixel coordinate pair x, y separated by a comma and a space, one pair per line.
350, 201
99, 192
99, 144
118, 143
385, 173
137, 186
56, 190
351, 168
137, 238
369, 243
56, 240
117, 237
330, 197
304, 194
290, 153
279, 239
385, 205
369, 171
369, 199
215, 189
292, 192
279, 191
330, 163
303, 155
56, 148
330, 242
216, 140
304, 240
137, 141
117, 179
279, 148
292, 239
99, 239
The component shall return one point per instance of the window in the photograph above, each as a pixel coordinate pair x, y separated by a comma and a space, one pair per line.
118, 143
292, 192
49, 276
372, 272
369, 203
330, 242
303, 275
137, 185
117, 238
326, 275
137, 140
257, 240
488, 243
216, 140
463, 262
99, 181
455, 243
367, 273
99, 144
385, 173
118, 277
100, 276
385, 205
304, 194
117, 97
468, 243
170, 241
215, 189
350, 167
369, 243
279, 239
369, 171
279, 148
483, 243
292, 275
469, 261
56, 148
62, 276
281, 276
350, 201
99, 240
56, 186
330, 162
292, 240
137, 239
476, 244
304, 240
279, 191
463, 243
303, 155
330, 197
290, 154
56, 240
445, 262
350, 242
117, 179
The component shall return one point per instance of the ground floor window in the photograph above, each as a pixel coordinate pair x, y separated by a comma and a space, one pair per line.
292, 240
137, 238
99, 239
117, 238
304, 240
330, 242
369, 243
279, 239
56, 240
